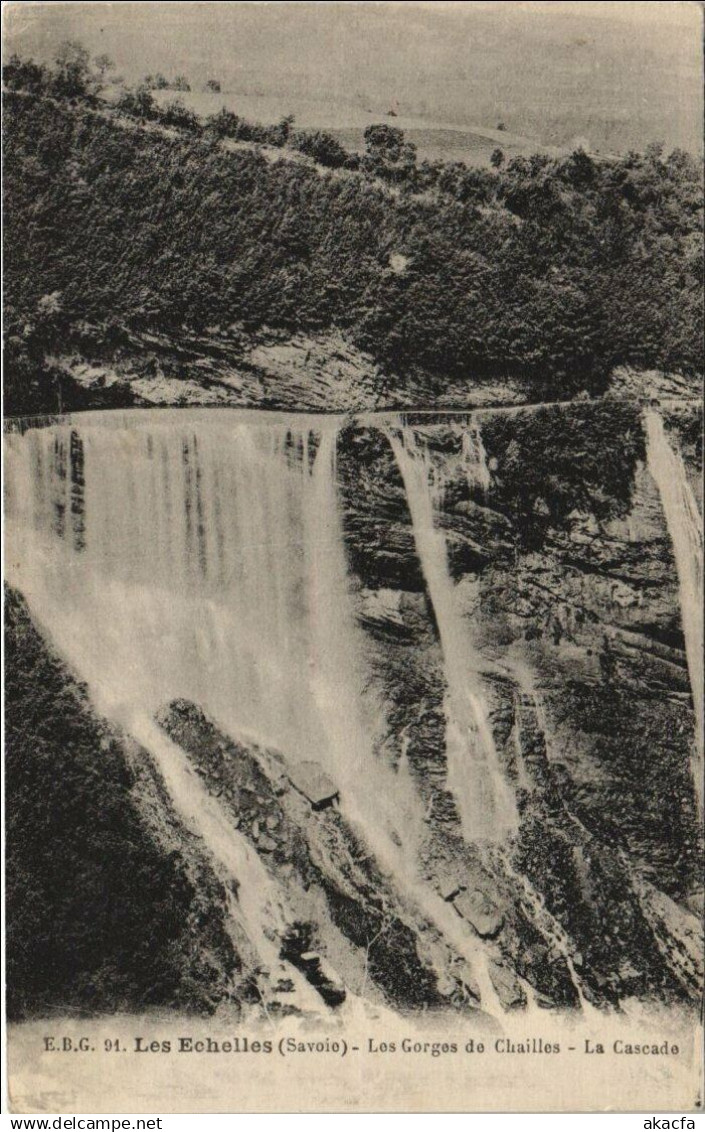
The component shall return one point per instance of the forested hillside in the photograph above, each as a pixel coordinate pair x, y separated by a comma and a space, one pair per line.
141, 218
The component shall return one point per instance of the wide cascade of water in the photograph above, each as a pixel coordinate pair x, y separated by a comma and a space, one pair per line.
474, 776
685, 527
170, 556
201, 556
182, 549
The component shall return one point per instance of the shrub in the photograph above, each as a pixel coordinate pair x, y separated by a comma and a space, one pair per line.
322, 147
174, 113
137, 103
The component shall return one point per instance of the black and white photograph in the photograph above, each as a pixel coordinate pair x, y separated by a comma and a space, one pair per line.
353, 556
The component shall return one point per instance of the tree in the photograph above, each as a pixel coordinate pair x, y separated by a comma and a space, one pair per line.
388, 155
581, 169
138, 103
103, 64
497, 158
72, 78
18, 74
322, 147
384, 139
181, 83
224, 124
72, 54
654, 151
156, 82
212, 85
176, 114
284, 128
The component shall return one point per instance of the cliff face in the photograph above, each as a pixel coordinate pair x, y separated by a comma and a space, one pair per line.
315, 372
523, 828
565, 579
271, 369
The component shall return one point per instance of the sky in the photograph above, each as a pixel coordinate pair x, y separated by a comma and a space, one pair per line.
619, 73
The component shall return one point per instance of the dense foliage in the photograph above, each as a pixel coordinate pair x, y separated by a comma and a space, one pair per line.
552, 269
99, 917
324, 148
553, 461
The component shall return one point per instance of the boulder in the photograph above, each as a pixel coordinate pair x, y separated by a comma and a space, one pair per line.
506, 985
310, 780
448, 886
321, 976
480, 912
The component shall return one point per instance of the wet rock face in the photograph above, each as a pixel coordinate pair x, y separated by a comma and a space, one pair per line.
295, 948
378, 533
329, 882
378, 528
565, 573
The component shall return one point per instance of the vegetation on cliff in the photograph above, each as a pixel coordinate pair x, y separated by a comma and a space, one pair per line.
100, 915
144, 217
553, 461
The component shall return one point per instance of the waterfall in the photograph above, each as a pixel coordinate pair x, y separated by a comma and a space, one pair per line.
535, 909
685, 528
202, 558
184, 549
259, 908
176, 552
484, 798
474, 458
382, 803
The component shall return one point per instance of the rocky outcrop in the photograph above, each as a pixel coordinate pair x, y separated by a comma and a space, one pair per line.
273, 369
268, 370
480, 912
627, 382
325, 373
354, 919
350, 924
